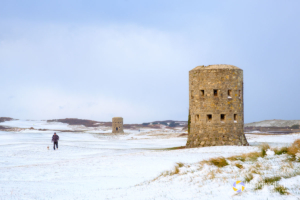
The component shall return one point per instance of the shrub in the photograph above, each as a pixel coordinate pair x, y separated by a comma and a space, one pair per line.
296, 126
173, 124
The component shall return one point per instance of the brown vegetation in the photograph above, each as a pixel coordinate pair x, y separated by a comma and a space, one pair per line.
294, 148
219, 162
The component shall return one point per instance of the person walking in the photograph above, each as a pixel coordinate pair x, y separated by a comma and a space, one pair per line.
55, 139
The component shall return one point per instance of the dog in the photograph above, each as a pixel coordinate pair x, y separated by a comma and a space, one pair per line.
48, 147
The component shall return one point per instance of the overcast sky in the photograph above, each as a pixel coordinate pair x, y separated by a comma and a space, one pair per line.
101, 59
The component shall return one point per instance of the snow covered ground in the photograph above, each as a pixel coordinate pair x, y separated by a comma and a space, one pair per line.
89, 165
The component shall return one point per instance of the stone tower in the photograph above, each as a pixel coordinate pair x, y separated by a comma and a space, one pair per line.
117, 125
216, 106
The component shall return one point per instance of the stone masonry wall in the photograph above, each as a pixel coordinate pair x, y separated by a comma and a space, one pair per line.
117, 125
216, 106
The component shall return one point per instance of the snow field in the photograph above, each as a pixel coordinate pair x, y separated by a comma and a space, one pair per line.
133, 166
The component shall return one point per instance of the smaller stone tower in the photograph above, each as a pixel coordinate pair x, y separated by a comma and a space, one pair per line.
117, 125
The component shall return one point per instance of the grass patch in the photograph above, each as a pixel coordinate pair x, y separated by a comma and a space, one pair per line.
281, 190
282, 150
239, 166
254, 170
219, 162
267, 181
294, 148
176, 170
234, 158
211, 175
180, 164
258, 186
264, 147
247, 156
271, 180
248, 178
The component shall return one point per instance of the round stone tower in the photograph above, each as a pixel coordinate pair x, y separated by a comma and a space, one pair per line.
117, 125
216, 106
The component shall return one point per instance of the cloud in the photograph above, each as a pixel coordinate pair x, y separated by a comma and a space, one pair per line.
94, 72
51, 103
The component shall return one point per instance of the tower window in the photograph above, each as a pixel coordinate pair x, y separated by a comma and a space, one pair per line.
240, 93
197, 117
223, 118
215, 93
229, 93
235, 117
192, 94
208, 118
202, 93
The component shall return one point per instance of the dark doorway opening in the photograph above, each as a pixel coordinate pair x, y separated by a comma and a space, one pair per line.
223, 117
215, 93
202, 93
209, 118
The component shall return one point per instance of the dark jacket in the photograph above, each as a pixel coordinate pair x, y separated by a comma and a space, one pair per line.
55, 138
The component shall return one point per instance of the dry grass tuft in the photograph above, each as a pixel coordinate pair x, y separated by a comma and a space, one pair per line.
173, 172
248, 178
281, 190
180, 164
294, 148
252, 156
176, 170
239, 166
280, 151
246, 157
258, 165
211, 175
267, 181
271, 180
239, 157
258, 186
264, 147
254, 170
219, 162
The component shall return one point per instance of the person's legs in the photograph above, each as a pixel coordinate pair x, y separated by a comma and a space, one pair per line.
57, 145
54, 145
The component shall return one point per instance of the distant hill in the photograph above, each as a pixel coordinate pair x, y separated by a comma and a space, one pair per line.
274, 123
84, 122
92, 123
4, 119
